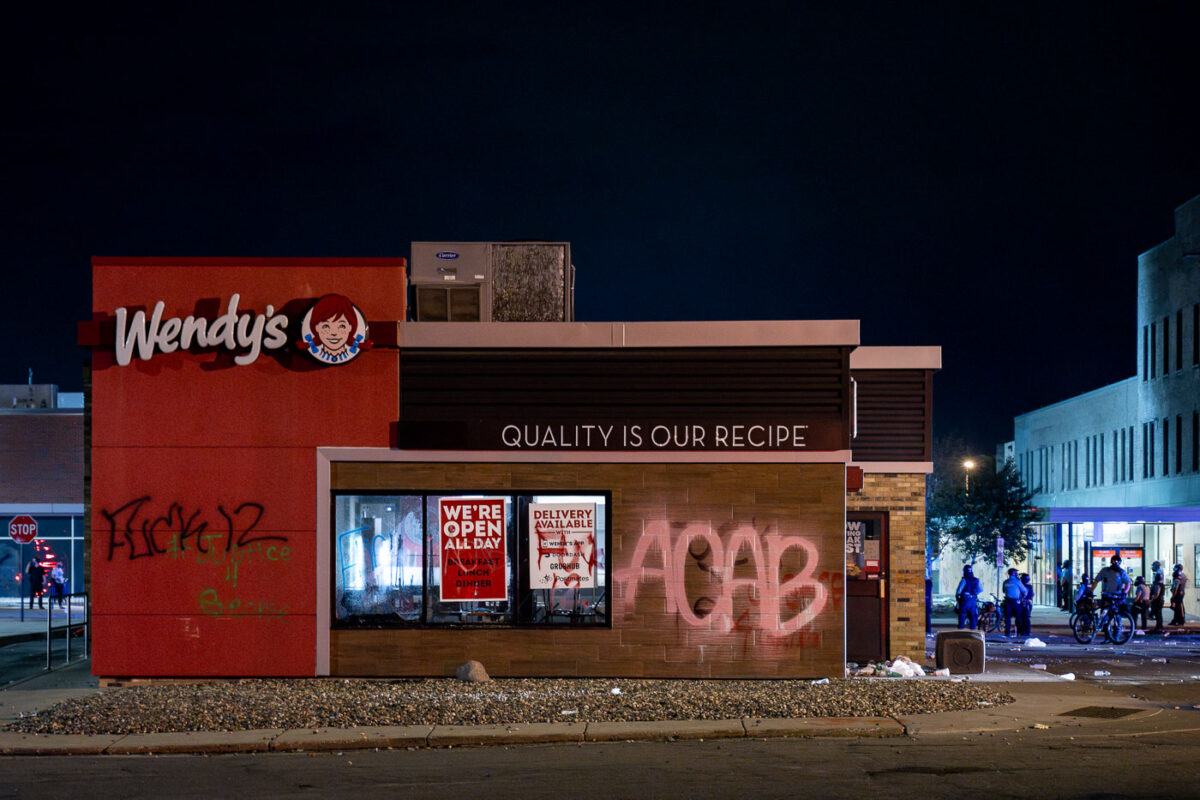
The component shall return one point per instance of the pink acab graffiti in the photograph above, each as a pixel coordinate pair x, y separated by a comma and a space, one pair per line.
783, 604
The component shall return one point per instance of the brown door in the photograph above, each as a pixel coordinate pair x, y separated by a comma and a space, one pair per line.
866, 586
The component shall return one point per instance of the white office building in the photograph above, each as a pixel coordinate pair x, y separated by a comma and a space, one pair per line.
1118, 468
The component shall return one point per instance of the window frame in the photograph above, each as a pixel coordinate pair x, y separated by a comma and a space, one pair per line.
520, 596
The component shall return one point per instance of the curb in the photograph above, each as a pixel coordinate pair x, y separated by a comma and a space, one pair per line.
325, 739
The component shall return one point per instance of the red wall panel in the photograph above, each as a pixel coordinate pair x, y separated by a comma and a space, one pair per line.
204, 471
199, 646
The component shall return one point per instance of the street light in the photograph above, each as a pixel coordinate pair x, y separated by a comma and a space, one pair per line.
968, 465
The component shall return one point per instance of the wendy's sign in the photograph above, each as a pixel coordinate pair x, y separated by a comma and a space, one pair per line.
333, 332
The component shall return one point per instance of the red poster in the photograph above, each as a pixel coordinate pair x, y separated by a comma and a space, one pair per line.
472, 534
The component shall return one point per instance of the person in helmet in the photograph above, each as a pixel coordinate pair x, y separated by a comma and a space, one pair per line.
1158, 593
1141, 600
1014, 594
1025, 612
1114, 582
1178, 585
967, 595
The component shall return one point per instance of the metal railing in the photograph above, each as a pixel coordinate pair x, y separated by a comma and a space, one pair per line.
64, 601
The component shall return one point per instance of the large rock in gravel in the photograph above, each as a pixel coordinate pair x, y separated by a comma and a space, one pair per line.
472, 672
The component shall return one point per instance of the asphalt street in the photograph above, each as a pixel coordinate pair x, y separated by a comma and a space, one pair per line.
1045, 763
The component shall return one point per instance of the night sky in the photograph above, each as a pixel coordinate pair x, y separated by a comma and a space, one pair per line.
980, 176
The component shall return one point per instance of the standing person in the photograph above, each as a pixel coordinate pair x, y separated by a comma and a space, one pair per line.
1178, 585
1025, 618
1064, 586
1141, 600
1013, 593
967, 595
58, 580
37, 578
1157, 595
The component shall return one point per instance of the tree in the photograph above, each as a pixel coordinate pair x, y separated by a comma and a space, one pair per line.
996, 505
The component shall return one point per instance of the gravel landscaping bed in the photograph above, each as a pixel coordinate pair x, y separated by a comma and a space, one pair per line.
344, 703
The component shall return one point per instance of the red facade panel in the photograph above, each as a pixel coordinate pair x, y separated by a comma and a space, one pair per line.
203, 510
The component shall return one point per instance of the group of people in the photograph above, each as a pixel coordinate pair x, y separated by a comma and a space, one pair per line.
1147, 600
36, 571
1018, 601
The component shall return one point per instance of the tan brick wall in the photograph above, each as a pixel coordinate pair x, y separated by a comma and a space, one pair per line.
701, 553
902, 497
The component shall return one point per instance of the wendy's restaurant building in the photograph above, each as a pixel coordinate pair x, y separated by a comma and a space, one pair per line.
290, 479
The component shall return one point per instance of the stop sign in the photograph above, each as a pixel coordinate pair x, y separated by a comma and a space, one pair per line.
23, 529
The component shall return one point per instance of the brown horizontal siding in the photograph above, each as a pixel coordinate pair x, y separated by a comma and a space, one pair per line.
777, 505
553, 384
895, 415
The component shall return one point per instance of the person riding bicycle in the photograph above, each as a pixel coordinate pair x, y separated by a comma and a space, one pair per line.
967, 594
1084, 594
1114, 580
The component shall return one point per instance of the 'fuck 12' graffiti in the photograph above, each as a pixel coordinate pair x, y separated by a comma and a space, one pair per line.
228, 540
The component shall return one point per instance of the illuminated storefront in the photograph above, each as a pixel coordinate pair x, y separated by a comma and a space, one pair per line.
289, 479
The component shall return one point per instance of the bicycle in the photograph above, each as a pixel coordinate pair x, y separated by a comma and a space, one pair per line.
1113, 619
989, 615
1086, 605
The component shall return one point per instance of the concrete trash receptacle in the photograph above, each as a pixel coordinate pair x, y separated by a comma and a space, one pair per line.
962, 652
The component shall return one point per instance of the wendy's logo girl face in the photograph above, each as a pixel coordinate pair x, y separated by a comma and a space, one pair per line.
334, 330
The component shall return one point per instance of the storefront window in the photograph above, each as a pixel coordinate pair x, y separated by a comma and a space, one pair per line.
377, 546
60, 540
470, 559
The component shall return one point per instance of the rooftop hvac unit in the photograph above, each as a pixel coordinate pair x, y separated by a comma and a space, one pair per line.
492, 282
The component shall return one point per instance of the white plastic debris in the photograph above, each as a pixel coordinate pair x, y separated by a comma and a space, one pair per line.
1034, 642
1037, 666
1158, 660
820, 681
1102, 673
944, 672
1068, 676
615, 690
1139, 632
569, 712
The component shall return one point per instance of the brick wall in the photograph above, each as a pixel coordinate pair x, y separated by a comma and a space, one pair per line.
701, 609
41, 458
902, 497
